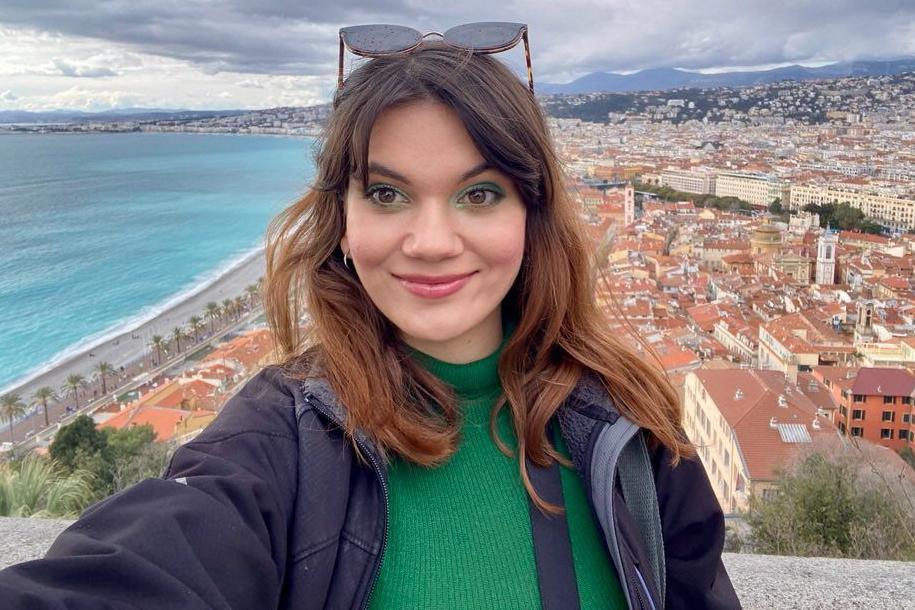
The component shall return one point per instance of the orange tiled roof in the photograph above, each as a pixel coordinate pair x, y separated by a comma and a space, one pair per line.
163, 420
749, 413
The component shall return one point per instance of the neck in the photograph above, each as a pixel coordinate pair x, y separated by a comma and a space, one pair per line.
476, 343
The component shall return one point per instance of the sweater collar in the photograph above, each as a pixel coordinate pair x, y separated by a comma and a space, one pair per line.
470, 380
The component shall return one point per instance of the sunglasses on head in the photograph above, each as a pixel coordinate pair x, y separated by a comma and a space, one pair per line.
484, 37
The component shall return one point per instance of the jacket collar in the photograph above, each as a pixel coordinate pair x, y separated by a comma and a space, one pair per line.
587, 404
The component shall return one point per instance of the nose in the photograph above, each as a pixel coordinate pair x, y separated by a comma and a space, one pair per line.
433, 233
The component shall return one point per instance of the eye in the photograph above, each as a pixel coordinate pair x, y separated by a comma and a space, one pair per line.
384, 195
481, 196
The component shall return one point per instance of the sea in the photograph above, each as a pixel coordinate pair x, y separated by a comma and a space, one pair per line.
100, 232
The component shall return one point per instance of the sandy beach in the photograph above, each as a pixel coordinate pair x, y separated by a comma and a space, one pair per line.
130, 345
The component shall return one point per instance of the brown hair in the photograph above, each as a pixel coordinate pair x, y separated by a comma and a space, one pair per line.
560, 332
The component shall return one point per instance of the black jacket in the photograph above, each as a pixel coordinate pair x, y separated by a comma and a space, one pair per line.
270, 508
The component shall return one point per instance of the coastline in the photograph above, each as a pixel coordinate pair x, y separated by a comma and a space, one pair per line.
128, 341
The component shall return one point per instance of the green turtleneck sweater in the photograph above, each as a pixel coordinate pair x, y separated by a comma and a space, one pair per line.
460, 536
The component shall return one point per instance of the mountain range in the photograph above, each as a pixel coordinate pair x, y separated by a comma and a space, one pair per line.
661, 79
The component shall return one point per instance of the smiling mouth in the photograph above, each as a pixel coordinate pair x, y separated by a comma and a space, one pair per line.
434, 287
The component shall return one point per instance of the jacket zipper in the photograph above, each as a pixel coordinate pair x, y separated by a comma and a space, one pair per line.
379, 473
384, 539
642, 587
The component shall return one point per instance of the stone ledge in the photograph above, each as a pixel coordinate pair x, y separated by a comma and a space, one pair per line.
761, 581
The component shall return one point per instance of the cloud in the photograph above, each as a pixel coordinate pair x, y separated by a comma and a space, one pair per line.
67, 68
8, 96
571, 36
262, 52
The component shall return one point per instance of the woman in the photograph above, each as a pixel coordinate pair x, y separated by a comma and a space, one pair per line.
406, 454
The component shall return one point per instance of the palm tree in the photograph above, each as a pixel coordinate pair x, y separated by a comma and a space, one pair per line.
102, 370
43, 395
12, 407
239, 306
73, 385
253, 293
228, 307
158, 342
195, 323
177, 335
211, 313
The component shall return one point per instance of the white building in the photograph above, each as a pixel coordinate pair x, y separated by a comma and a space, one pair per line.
826, 257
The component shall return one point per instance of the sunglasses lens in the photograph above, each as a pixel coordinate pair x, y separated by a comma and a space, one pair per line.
379, 38
484, 36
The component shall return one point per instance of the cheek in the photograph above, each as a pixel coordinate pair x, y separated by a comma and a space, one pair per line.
502, 246
369, 242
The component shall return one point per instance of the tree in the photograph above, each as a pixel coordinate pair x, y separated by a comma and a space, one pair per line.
12, 408
195, 323
837, 501
115, 459
776, 206
252, 292
134, 456
177, 336
42, 395
228, 307
211, 313
102, 370
73, 385
158, 342
76, 442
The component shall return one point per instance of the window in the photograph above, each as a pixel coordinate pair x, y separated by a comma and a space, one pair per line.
905, 418
888, 416
859, 397
889, 400
856, 431
903, 435
858, 414
769, 494
886, 434
906, 400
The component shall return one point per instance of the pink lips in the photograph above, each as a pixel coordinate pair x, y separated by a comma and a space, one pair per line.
434, 287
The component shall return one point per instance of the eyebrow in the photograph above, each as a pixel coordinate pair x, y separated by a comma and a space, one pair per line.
378, 168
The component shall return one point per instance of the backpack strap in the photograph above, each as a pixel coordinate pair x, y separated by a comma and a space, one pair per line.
552, 543
637, 480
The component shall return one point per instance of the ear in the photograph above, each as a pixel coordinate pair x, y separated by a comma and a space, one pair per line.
344, 244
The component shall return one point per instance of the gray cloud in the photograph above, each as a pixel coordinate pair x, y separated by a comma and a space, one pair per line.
8, 96
569, 38
67, 68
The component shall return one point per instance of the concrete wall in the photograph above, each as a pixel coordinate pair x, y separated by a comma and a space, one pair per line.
761, 581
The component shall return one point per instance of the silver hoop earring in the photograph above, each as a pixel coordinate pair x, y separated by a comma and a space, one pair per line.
345, 262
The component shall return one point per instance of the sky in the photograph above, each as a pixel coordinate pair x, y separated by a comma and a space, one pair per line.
96, 55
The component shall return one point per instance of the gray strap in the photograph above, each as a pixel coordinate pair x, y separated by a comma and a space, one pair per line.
637, 481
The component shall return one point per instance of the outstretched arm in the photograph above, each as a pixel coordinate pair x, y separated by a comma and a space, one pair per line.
210, 534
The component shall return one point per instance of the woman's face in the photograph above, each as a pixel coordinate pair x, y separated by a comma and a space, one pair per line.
436, 237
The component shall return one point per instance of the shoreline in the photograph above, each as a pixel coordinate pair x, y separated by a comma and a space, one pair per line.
122, 344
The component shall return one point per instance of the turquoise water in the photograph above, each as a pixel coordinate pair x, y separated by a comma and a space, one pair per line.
99, 231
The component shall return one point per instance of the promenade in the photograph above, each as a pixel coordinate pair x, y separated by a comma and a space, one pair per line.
130, 354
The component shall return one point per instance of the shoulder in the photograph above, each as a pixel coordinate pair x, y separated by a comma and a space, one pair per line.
264, 405
692, 522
